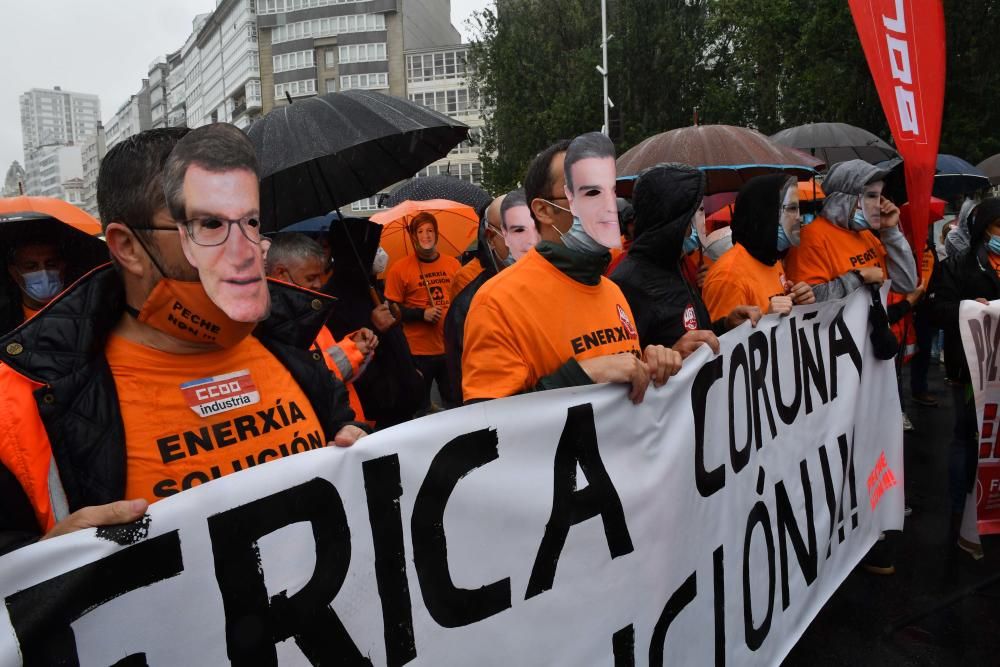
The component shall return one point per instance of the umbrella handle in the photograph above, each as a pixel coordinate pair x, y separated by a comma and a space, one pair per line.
393, 308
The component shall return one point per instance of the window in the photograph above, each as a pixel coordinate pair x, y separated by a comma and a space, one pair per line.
281, 6
365, 81
361, 53
467, 171
330, 60
455, 102
331, 85
295, 88
369, 204
296, 60
328, 27
436, 66
252, 31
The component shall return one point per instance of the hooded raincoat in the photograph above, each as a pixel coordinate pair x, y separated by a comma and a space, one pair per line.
832, 247
665, 305
751, 273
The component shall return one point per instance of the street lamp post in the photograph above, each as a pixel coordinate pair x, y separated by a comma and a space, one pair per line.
603, 69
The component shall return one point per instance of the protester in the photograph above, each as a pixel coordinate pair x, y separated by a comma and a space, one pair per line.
390, 389
840, 251
957, 240
974, 275
498, 253
38, 269
668, 199
765, 225
543, 322
421, 285
520, 236
544, 188
168, 327
299, 260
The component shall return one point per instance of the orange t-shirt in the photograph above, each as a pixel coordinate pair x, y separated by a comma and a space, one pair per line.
193, 418
739, 279
827, 251
926, 267
531, 319
324, 342
28, 312
994, 262
465, 275
412, 283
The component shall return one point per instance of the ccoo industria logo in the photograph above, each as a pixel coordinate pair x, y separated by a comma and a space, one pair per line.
222, 393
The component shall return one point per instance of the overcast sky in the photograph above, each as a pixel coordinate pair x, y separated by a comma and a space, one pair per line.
102, 47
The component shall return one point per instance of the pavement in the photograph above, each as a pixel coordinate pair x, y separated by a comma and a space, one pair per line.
881, 620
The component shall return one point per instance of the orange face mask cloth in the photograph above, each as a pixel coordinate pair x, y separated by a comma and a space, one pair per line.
183, 310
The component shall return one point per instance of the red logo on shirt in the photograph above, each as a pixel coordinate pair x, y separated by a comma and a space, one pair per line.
222, 393
627, 323
690, 320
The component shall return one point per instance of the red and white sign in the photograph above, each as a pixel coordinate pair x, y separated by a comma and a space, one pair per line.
904, 43
627, 323
222, 393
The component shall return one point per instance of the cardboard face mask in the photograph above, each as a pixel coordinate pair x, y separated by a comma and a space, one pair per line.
592, 199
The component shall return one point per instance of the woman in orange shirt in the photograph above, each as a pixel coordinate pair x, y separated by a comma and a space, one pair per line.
765, 225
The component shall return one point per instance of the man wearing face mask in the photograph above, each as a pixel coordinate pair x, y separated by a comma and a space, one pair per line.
765, 226
147, 380
543, 323
856, 240
39, 271
297, 259
491, 250
520, 235
421, 285
669, 311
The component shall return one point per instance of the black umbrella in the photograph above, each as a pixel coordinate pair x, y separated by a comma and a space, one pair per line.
955, 178
442, 186
836, 142
991, 167
327, 151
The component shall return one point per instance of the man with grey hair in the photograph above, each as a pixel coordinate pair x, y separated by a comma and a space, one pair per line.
297, 259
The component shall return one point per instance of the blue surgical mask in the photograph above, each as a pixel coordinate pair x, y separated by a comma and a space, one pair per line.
783, 241
691, 241
42, 285
860, 221
993, 245
807, 218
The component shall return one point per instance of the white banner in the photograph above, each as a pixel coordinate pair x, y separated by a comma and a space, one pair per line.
709, 523
980, 328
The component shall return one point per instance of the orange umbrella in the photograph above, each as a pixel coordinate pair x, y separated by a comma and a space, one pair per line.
457, 225
33, 207
808, 191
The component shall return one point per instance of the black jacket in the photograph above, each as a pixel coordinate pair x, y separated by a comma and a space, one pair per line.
458, 310
64, 350
968, 276
665, 306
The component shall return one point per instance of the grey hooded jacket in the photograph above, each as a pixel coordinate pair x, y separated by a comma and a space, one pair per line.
844, 182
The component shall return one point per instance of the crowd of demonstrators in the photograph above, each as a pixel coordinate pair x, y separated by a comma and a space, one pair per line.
515, 341
969, 275
197, 295
185, 305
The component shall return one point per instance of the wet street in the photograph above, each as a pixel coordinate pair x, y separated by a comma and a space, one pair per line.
881, 620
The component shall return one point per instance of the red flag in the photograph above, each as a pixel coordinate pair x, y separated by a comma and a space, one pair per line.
903, 42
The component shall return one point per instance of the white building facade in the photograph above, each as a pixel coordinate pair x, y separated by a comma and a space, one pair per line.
50, 166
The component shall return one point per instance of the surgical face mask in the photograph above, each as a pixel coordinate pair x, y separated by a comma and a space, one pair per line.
807, 218
783, 242
859, 221
691, 241
381, 261
993, 245
42, 285
577, 239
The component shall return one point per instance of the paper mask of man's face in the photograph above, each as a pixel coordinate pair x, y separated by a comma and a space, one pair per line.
593, 200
